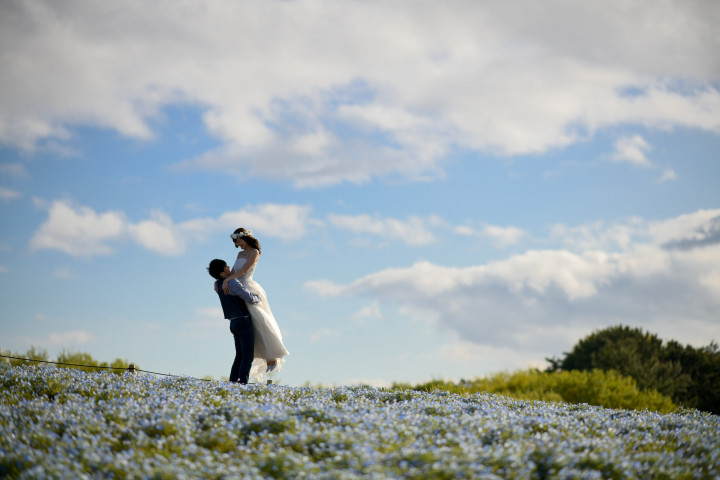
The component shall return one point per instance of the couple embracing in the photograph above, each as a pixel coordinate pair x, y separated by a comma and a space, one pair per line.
259, 347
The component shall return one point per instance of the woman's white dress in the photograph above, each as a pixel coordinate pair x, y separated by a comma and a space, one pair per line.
268, 340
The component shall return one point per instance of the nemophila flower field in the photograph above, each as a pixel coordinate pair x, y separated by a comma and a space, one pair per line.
61, 423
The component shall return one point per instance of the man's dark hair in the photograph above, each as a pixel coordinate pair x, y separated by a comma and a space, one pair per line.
216, 267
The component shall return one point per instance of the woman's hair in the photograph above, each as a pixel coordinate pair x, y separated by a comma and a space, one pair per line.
249, 239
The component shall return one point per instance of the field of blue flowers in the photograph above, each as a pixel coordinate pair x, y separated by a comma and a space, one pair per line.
64, 423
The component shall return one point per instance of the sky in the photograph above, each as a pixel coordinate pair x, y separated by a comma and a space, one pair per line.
442, 190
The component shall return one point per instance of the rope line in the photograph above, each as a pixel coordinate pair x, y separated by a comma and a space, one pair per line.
61, 363
130, 368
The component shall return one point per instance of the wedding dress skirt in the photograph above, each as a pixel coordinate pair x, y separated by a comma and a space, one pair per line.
268, 339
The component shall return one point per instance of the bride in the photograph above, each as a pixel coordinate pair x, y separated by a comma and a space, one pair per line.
269, 348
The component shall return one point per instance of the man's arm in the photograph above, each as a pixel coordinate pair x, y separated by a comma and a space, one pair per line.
237, 288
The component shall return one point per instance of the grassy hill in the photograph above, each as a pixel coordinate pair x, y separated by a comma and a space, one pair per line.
65, 423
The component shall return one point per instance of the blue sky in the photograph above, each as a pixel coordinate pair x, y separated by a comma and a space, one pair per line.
441, 190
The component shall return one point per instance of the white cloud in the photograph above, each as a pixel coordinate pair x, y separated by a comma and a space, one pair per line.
698, 228
600, 236
159, 234
667, 175
632, 149
371, 311
363, 89
649, 274
8, 194
287, 222
80, 231
62, 273
324, 288
312, 143
284, 221
13, 169
501, 236
420, 231
69, 338
416, 231
63, 339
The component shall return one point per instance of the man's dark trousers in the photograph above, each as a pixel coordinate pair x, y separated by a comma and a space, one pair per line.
244, 333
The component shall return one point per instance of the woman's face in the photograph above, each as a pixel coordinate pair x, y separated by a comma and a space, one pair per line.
239, 242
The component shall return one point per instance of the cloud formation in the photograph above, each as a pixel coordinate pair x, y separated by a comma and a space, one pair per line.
78, 231
633, 150
81, 232
420, 231
72, 337
500, 236
415, 230
8, 194
318, 92
663, 276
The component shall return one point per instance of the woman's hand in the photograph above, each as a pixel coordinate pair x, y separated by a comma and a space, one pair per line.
225, 286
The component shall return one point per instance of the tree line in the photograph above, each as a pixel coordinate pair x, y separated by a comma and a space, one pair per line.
65, 357
689, 376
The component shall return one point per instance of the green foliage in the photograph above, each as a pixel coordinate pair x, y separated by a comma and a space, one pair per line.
32, 353
597, 387
78, 360
690, 376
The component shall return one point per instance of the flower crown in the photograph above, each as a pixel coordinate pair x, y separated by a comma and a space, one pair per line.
235, 236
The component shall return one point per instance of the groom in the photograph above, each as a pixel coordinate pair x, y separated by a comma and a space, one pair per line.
241, 326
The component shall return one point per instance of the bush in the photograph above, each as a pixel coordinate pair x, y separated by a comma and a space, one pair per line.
597, 387
688, 375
